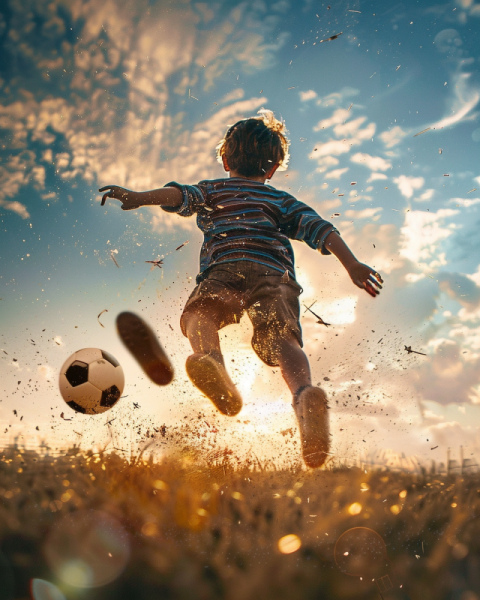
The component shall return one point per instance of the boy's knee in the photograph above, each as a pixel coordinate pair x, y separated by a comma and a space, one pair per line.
288, 339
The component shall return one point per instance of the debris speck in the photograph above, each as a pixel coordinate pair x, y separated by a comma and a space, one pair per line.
100, 314
182, 245
423, 131
155, 263
320, 320
410, 351
332, 37
112, 256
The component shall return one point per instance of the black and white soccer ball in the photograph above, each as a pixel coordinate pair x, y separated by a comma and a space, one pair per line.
91, 381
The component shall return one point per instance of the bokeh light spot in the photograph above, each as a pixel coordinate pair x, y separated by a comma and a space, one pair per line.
355, 508
87, 549
289, 543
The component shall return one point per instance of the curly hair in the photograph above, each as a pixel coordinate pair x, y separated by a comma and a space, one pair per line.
253, 146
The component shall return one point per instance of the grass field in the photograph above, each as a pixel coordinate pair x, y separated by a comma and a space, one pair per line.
190, 529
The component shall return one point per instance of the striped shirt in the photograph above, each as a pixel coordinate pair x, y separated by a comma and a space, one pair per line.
243, 219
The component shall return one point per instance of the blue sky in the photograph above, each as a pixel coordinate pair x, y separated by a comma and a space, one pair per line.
139, 95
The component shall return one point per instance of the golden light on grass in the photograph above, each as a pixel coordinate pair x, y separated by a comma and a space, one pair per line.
355, 508
395, 509
364, 487
289, 543
453, 505
237, 496
403, 494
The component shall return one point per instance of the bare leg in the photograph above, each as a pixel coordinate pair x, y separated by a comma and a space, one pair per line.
294, 364
202, 334
310, 405
206, 367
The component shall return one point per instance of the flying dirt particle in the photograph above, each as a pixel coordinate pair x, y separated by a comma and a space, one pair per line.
332, 37
423, 131
113, 258
182, 245
155, 263
100, 314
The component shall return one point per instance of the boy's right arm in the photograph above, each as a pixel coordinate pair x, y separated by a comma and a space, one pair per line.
166, 196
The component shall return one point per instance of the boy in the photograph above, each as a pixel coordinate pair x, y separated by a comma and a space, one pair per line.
246, 265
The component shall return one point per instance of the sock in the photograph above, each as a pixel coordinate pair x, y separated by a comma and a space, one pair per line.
300, 390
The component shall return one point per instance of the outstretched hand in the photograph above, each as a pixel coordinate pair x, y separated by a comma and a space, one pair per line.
126, 197
365, 277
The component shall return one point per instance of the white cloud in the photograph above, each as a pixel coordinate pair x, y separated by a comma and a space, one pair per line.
333, 147
421, 235
16, 207
393, 136
375, 163
309, 95
464, 202
337, 147
325, 161
47, 372
339, 116
151, 45
465, 93
349, 128
447, 377
366, 213
375, 176
427, 195
237, 94
407, 185
336, 174
465, 100
339, 312
337, 97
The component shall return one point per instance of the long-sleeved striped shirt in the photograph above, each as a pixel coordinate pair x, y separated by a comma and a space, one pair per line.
243, 219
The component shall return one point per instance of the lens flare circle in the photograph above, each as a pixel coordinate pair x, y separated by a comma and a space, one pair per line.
361, 552
44, 590
87, 549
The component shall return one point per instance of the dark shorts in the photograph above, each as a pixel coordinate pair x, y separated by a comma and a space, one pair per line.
232, 288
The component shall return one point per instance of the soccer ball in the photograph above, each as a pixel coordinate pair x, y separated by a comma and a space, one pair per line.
91, 381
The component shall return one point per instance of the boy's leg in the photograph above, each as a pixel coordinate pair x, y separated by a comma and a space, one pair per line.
309, 402
206, 368
202, 333
294, 364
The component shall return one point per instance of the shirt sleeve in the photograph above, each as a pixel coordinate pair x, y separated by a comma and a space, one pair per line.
192, 198
302, 223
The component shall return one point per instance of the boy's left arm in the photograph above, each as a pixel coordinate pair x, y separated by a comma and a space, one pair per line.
362, 275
